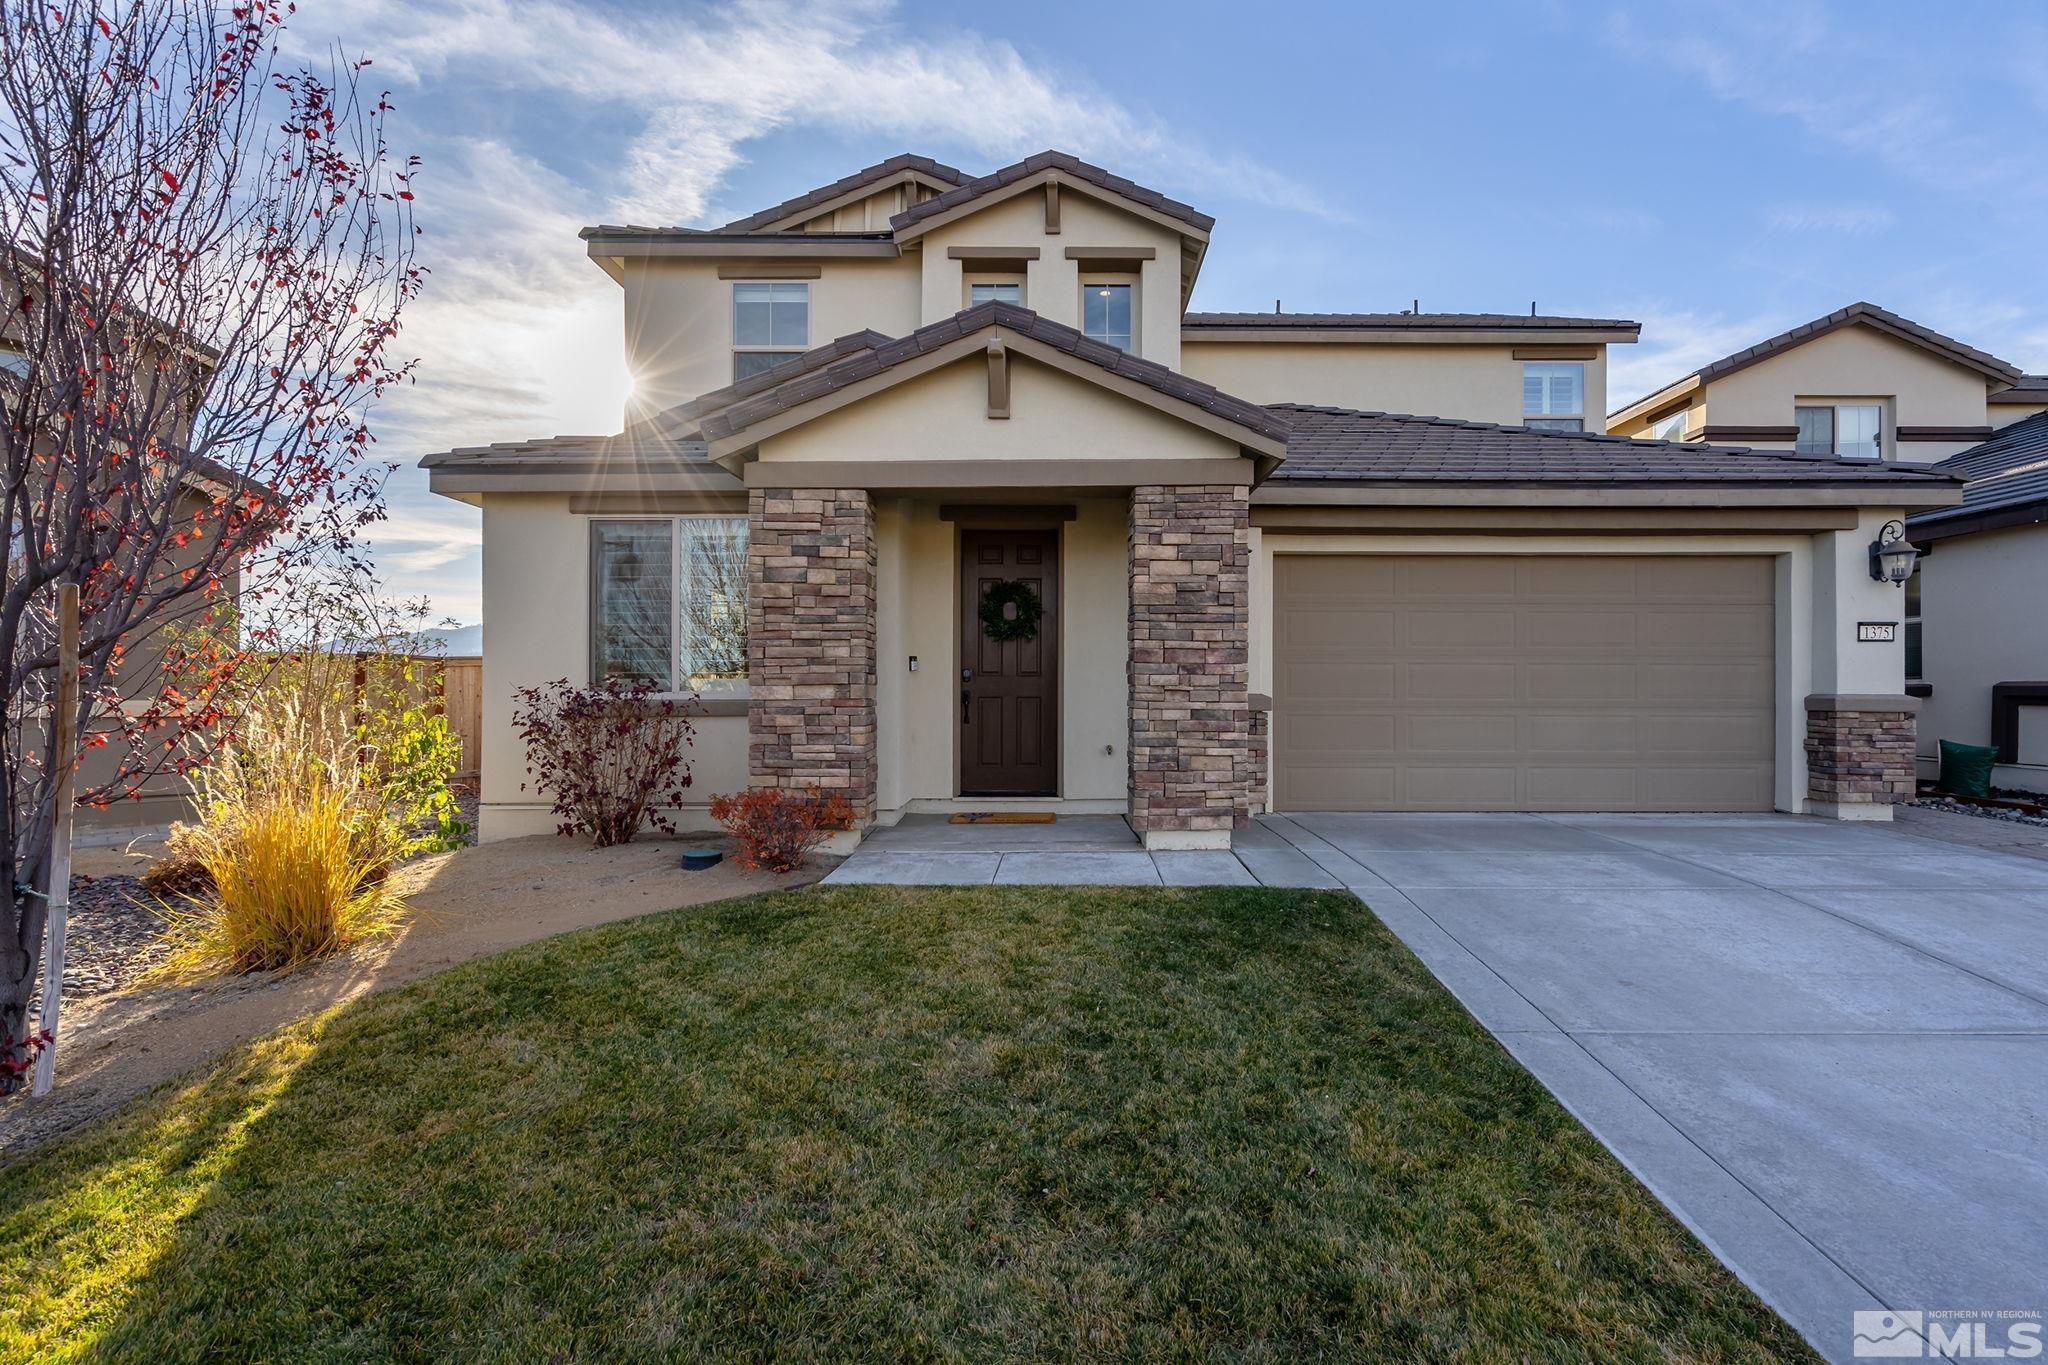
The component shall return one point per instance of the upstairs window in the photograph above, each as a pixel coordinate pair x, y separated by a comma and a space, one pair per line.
995, 291
1672, 428
1554, 395
771, 323
1106, 312
669, 602
1852, 431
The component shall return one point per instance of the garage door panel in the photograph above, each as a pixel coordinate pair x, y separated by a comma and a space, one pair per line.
1582, 734
1606, 628
1582, 787
1460, 629
1709, 630
1524, 682
1458, 734
1313, 681
1581, 682
1335, 626
1460, 788
1453, 682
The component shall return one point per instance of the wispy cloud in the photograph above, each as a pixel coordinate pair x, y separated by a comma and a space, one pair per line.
1677, 341
1851, 220
1849, 85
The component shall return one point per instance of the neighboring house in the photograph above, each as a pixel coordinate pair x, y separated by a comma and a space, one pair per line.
874, 423
1982, 659
1864, 383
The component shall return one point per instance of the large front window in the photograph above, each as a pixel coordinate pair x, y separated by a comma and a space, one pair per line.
771, 323
1854, 431
1106, 313
1554, 395
669, 602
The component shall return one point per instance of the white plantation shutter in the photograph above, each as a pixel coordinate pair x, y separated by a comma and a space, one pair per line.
1553, 389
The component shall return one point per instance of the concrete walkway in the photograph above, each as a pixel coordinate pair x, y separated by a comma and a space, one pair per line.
1077, 850
1823, 1046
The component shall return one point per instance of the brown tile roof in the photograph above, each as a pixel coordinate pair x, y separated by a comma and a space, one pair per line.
1863, 314
2030, 388
2008, 482
1401, 321
1342, 446
1066, 165
824, 194
554, 452
1022, 321
680, 422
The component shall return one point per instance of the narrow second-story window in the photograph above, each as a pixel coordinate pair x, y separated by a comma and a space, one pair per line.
1672, 428
1106, 312
770, 324
1554, 395
669, 602
1853, 431
994, 291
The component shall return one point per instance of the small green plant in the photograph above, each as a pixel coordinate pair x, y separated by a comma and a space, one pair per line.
414, 755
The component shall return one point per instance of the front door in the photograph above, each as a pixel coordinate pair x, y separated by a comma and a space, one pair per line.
1009, 688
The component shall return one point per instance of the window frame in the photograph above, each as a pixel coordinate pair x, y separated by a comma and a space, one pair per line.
733, 321
1833, 407
1548, 420
1912, 616
742, 686
1097, 279
1661, 429
996, 277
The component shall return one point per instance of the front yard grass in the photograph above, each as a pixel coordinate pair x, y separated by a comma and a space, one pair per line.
874, 1123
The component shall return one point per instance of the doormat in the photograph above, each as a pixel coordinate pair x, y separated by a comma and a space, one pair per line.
1003, 817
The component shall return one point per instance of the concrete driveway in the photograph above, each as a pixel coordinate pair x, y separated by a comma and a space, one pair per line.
1824, 1046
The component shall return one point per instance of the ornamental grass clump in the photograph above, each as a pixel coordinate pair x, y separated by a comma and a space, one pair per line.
297, 840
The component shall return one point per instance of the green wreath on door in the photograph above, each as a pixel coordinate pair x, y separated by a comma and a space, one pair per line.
1011, 610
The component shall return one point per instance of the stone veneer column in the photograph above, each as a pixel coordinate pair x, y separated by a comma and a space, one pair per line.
811, 641
1859, 755
1190, 552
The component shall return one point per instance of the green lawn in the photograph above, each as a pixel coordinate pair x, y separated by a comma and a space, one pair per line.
878, 1124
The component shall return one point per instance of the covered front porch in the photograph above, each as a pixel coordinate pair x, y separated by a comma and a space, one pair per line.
877, 669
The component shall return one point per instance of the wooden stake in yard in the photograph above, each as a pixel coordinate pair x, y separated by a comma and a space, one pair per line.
64, 718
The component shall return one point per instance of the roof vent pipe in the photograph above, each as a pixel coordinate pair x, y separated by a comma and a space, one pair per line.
1416, 307
1276, 308
1532, 308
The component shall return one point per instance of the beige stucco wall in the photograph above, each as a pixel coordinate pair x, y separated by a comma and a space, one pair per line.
1851, 363
918, 613
1052, 283
536, 600
1476, 383
1972, 638
943, 415
679, 319
1819, 602
2005, 414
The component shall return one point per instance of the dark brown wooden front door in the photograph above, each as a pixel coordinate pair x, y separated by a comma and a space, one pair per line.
1009, 690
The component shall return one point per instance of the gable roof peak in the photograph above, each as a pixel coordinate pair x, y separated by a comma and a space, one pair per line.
1065, 163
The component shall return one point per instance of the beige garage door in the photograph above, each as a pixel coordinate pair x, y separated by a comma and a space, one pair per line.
1537, 682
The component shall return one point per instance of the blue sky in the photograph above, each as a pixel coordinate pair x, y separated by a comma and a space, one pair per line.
1717, 172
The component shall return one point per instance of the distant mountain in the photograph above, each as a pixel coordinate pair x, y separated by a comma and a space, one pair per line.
458, 640
453, 642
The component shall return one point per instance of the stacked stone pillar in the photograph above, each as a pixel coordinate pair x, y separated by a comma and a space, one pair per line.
811, 642
1190, 581
1859, 755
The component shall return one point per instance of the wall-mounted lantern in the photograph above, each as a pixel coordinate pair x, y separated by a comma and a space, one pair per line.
1891, 555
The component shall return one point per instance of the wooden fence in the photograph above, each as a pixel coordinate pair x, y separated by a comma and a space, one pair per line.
462, 701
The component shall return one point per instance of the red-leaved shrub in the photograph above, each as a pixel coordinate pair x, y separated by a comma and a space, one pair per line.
775, 827
611, 756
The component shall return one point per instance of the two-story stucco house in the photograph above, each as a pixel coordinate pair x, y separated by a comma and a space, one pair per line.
878, 426
1864, 383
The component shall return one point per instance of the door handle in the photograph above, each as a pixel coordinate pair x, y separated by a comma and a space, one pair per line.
966, 707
